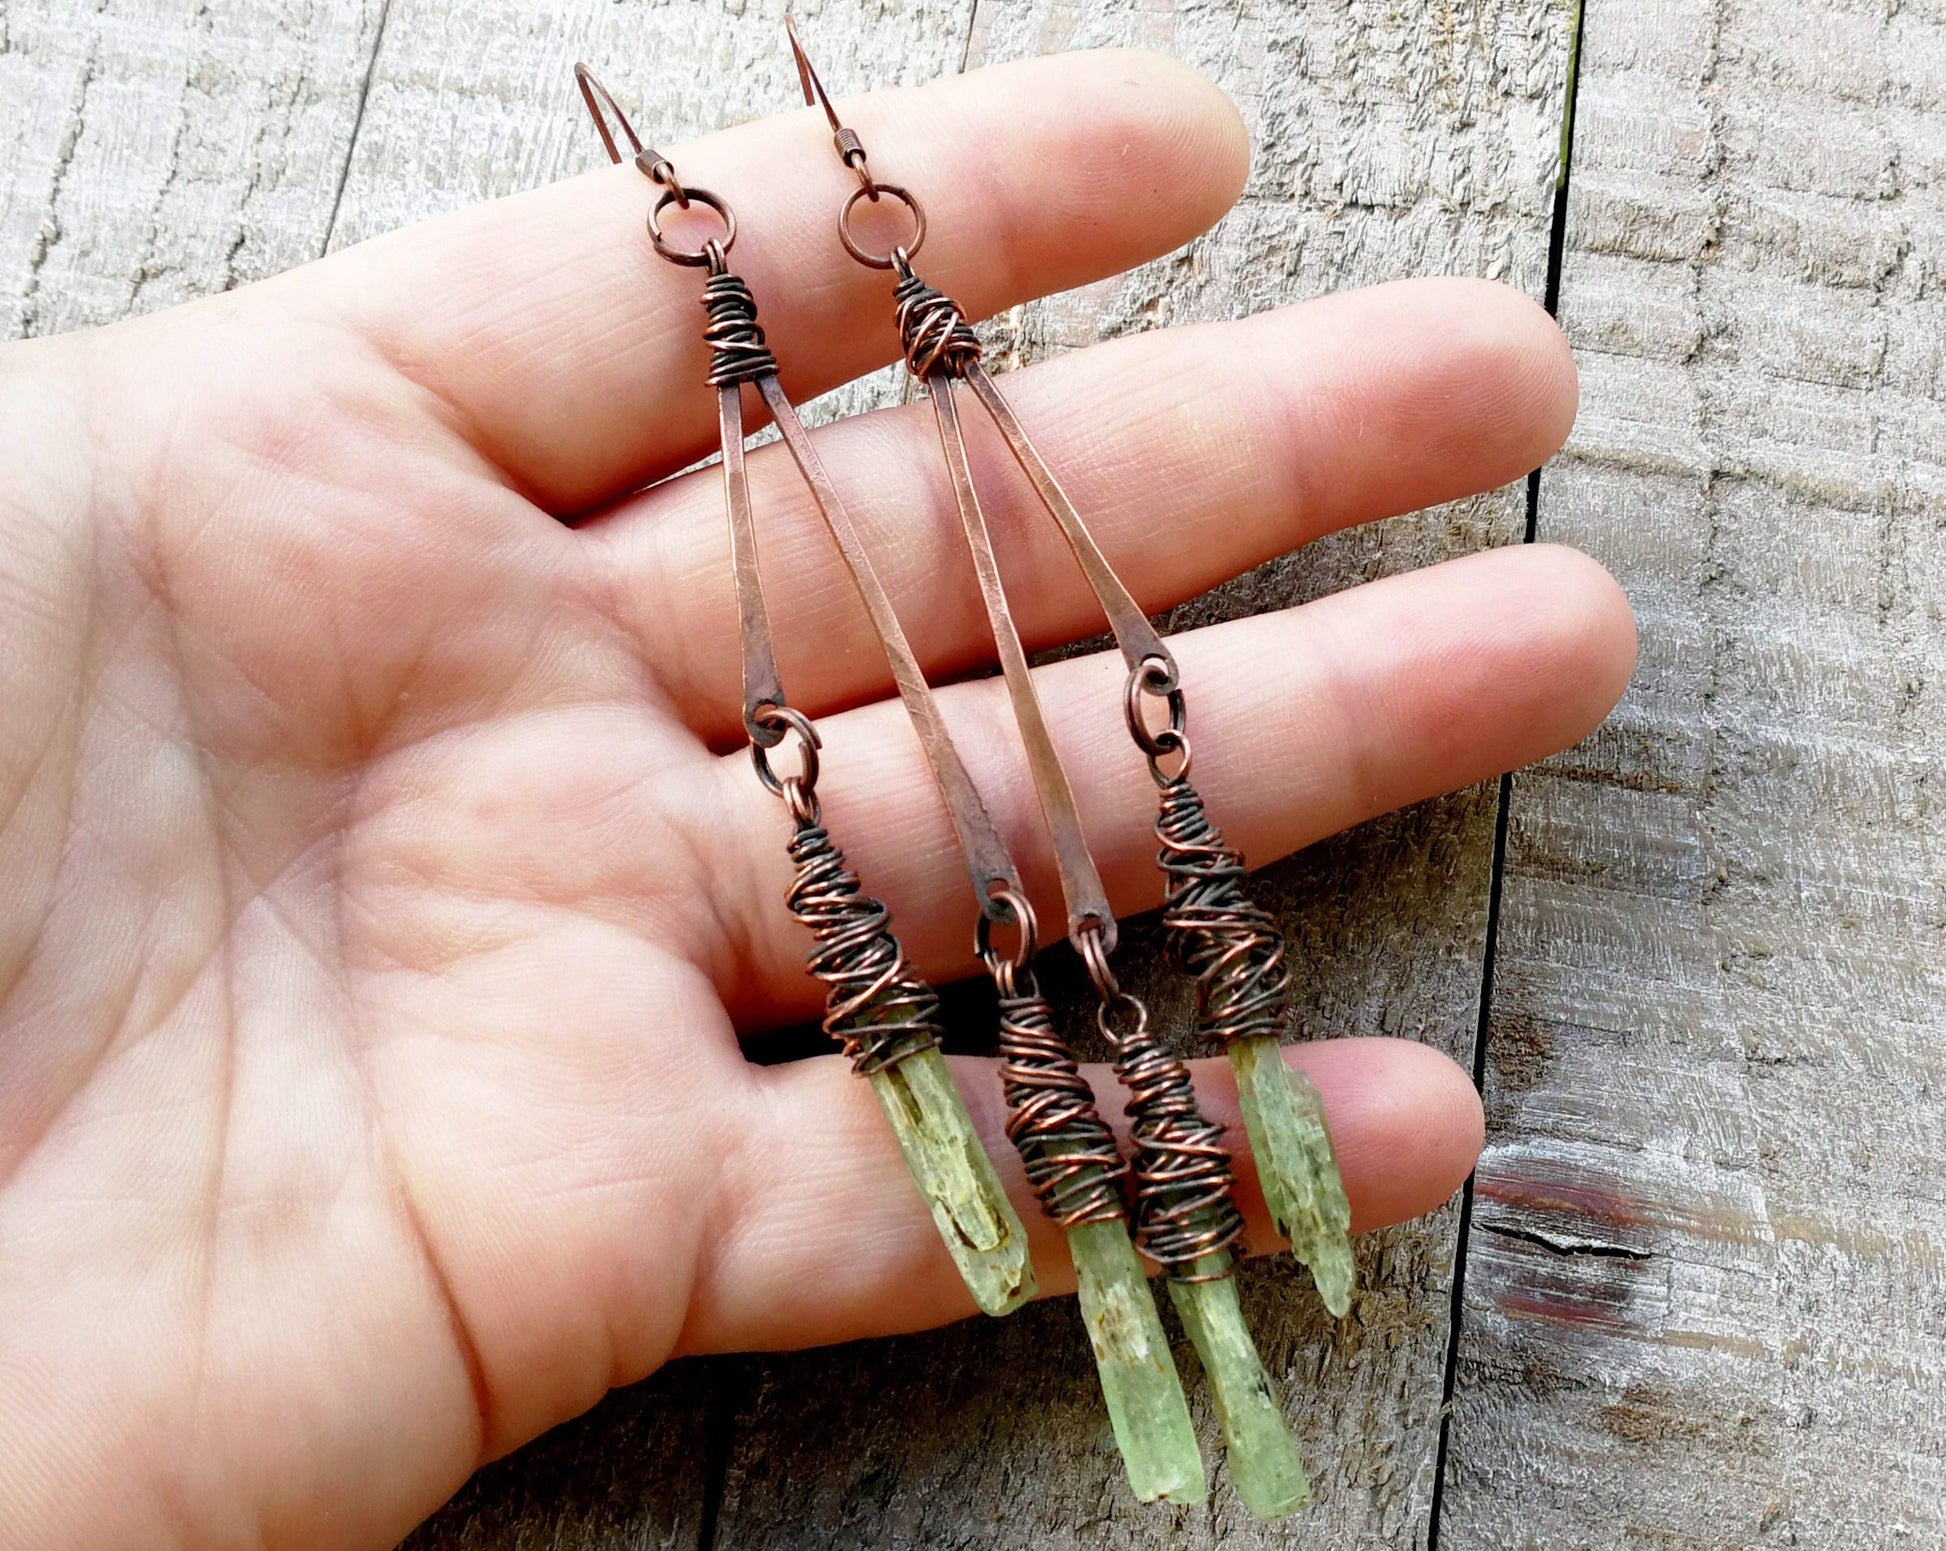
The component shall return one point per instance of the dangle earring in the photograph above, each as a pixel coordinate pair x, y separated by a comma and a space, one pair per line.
1186, 1219
1070, 1153
877, 1007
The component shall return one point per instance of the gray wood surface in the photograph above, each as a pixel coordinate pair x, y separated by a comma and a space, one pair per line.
1706, 1288
1702, 1298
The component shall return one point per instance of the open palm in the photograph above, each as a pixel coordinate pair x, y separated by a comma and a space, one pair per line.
383, 896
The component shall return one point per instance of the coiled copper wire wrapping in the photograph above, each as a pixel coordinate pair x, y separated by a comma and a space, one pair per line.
932, 330
738, 353
877, 1007
1184, 1213
1071, 1157
1183, 1207
1224, 939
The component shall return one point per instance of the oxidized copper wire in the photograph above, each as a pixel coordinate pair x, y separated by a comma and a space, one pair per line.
940, 348
653, 164
1137, 638
1155, 679
738, 353
850, 150
876, 1006
1186, 1219
1230, 944
1070, 1154
987, 858
932, 330
1223, 938
1081, 882
906, 249
1072, 1161
710, 253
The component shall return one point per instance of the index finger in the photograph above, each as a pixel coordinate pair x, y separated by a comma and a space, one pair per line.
572, 356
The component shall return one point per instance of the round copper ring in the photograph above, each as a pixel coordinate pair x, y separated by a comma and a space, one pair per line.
695, 196
1022, 915
1123, 1004
1154, 678
910, 249
808, 744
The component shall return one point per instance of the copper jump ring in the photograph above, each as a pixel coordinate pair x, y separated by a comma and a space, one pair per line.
874, 260
1013, 908
780, 718
711, 252
1091, 943
1154, 680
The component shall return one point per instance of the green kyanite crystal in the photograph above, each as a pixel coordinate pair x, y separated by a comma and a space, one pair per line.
1292, 1149
1264, 1466
1138, 1376
947, 1162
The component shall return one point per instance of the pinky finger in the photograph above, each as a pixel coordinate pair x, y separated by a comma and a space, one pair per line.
821, 1237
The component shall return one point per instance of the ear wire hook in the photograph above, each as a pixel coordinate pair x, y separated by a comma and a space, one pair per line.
851, 149
659, 170
650, 162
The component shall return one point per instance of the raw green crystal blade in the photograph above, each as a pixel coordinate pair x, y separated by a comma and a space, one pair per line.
1138, 1376
1295, 1166
947, 1162
1264, 1466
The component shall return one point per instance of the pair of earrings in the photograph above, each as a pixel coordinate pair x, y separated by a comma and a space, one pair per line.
886, 1017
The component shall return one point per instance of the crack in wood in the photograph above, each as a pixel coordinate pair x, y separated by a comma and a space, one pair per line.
1564, 1247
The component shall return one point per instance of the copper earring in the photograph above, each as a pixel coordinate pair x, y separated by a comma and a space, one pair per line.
1186, 1220
1070, 1153
879, 1009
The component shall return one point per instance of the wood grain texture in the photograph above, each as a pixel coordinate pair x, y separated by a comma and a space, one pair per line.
1389, 141
154, 150
631, 1475
1706, 1302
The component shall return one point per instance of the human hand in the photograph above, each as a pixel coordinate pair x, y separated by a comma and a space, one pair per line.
383, 889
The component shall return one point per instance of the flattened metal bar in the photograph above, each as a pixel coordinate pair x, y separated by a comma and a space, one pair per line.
986, 854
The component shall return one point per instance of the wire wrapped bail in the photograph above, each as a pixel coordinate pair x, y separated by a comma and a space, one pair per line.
1222, 937
738, 353
933, 332
1072, 1160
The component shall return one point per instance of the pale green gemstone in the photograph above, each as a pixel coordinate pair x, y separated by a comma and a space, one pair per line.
1264, 1467
1292, 1149
943, 1153
1138, 1376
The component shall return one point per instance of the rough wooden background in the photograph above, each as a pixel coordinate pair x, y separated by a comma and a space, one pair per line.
1701, 1284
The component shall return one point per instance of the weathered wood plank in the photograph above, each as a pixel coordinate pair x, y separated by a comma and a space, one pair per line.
1706, 1297
154, 150
630, 1474
1390, 141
